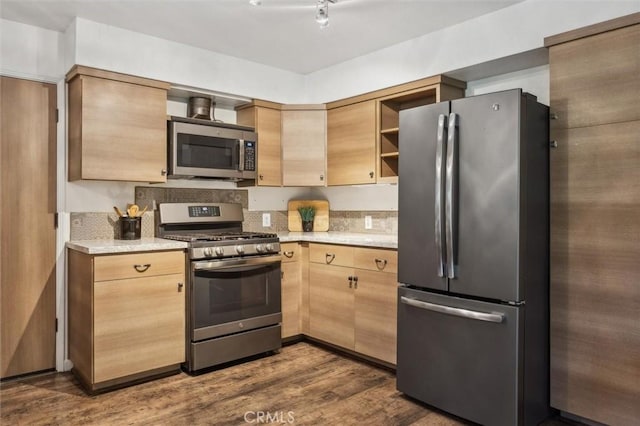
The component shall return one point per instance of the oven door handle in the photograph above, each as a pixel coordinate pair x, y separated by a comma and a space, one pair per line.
238, 265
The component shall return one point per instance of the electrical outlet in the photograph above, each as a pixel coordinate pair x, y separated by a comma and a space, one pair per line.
368, 223
266, 220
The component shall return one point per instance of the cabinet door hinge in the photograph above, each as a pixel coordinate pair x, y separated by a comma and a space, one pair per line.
55, 220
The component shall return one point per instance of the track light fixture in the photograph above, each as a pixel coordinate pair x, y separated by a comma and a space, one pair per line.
322, 10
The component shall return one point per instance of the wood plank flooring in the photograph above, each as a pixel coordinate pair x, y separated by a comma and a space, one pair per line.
304, 385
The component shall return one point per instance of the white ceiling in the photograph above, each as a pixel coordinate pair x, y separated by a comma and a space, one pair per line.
279, 33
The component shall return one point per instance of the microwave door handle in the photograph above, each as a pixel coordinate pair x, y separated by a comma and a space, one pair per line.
241, 154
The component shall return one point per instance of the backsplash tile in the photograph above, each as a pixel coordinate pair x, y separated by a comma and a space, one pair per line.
145, 196
104, 226
385, 222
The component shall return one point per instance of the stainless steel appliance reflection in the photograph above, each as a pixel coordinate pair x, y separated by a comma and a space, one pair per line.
233, 283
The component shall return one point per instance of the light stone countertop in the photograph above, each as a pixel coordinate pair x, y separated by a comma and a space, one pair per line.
124, 246
346, 238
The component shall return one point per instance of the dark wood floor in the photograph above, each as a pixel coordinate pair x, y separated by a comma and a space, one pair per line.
303, 385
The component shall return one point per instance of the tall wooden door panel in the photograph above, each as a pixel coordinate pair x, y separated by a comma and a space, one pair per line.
595, 273
594, 80
28, 194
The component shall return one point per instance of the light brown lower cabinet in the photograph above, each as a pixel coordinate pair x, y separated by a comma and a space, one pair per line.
291, 289
126, 316
354, 307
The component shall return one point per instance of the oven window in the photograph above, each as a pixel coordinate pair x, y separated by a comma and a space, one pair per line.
227, 295
207, 152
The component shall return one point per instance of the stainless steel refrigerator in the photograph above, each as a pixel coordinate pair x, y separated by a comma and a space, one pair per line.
473, 257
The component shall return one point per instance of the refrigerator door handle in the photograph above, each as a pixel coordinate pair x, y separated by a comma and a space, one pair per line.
451, 189
458, 312
440, 153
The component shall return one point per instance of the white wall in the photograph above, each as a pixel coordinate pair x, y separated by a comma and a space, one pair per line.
30, 52
533, 80
509, 31
116, 49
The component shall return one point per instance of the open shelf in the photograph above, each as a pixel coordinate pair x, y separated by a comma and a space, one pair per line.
389, 120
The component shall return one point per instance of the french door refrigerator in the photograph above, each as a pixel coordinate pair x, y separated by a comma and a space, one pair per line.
473, 257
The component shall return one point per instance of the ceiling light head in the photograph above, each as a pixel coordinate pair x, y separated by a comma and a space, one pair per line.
322, 13
255, 2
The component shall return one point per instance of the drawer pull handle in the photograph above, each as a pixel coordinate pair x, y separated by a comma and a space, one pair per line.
355, 282
288, 254
180, 285
329, 257
350, 282
142, 268
380, 262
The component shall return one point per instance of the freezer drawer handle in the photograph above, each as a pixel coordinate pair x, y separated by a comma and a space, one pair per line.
458, 312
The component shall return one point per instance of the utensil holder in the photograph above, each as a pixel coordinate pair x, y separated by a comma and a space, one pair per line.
130, 228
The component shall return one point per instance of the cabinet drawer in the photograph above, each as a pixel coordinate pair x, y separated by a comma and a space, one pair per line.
290, 252
376, 259
138, 265
329, 254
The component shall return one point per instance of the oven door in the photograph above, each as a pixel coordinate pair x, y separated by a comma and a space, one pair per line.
235, 295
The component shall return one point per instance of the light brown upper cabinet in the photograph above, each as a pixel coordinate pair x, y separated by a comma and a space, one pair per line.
362, 143
351, 144
117, 126
304, 139
266, 118
595, 231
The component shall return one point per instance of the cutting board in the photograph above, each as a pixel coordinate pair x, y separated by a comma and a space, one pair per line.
320, 222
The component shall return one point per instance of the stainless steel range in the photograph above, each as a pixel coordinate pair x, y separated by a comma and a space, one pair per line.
233, 282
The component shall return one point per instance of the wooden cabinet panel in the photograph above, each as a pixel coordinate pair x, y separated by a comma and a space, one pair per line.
595, 274
303, 147
351, 144
376, 259
267, 123
291, 299
28, 263
138, 325
331, 254
376, 315
357, 314
126, 325
117, 129
331, 304
122, 266
594, 80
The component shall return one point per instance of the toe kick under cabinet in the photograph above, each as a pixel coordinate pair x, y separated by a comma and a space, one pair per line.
126, 316
352, 298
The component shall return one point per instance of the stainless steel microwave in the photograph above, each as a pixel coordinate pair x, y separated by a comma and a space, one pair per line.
198, 148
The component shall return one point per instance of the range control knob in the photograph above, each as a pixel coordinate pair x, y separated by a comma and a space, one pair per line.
207, 251
259, 248
269, 248
240, 249
219, 251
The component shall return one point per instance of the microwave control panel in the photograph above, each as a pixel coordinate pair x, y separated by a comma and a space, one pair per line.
249, 155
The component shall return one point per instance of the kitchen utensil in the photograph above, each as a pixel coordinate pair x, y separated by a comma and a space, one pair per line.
143, 211
118, 211
132, 211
